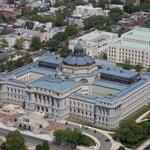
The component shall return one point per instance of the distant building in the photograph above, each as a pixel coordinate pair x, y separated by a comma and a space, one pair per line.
76, 20
94, 42
115, 6
9, 10
133, 46
82, 12
27, 35
89, 10
133, 2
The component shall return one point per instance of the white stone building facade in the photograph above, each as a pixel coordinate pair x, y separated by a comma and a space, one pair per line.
94, 42
133, 46
103, 96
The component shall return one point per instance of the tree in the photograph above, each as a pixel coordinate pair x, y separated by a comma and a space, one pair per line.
126, 65
93, 2
116, 2
115, 14
35, 43
39, 147
19, 62
27, 58
130, 8
148, 69
59, 19
19, 43
72, 137
60, 36
43, 146
97, 22
71, 30
64, 52
103, 55
23, 2
53, 44
121, 148
138, 67
102, 3
4, 42
146, 23
14, 140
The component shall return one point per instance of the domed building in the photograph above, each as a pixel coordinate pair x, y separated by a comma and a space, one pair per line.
80, 65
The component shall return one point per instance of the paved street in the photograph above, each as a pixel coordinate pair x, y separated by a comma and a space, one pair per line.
33, 141
104, 144
101, 137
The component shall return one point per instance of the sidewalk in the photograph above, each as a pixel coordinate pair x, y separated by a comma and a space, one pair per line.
115, 145
144, 145
139, 120
28, 133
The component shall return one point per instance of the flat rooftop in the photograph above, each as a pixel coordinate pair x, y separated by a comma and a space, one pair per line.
119, 72
139, 46
30, 68
108, 86
94, 35
54, 59
54, 84
141, 33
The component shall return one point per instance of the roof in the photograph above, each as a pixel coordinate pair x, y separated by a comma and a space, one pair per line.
54, 59
140, 33
78, 60
54, 84
115, 71
31, 68
135, 34
138, 46
111, 85
123, 90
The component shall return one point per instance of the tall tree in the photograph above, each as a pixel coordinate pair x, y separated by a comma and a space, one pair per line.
60, 36
43, 146
35, 43
115, 15
14, 140
71, 30
19, 43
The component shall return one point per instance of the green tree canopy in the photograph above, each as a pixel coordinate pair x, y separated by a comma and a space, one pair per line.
115, 15
64, 52
73, 137
116, 2
146, 23
19, 43
138, 67
97, 22
102, 3
121, 148
14, 140
43, 146
60, 36
130, 8
71, 30
59, 19
35, 43
126, 65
